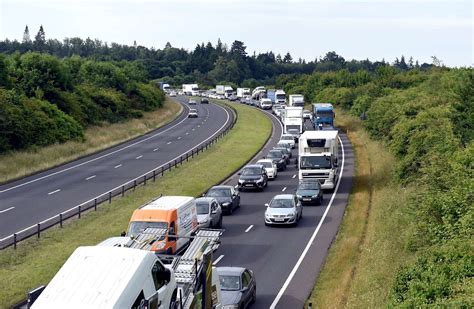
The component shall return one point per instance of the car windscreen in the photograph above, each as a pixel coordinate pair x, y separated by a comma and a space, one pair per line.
137, 227
280, 96
308, 186
275, 154
218, 192
229, 283
317, 162
251, 171
202, 208
288, 138
281, 203
266, 164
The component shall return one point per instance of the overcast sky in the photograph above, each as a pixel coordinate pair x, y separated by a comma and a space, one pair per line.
355, 29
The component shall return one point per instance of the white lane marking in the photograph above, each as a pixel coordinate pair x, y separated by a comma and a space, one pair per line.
283, 190
55, 191
294, 176
217, 260
179, 137
193, 129
117, 166
168, 143
249, 228
95, 159
117, 187
90, 177
311, 240
5, 210
140, 156
199, 125
156, 149
187, 133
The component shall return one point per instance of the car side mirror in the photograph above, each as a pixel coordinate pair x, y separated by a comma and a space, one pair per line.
266, 205
239, 173
244, 289
335, 164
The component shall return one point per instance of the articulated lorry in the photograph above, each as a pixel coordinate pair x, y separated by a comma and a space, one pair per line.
243, 92
323, 115
277, 96
164, 86
191, 89
317, 157
296, 100
293, 121
259, 93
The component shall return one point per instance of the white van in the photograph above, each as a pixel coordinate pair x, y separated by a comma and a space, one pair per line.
110, 277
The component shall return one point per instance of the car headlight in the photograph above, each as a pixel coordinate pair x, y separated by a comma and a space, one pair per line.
230, 307
298, 196
315, 196
241, 181
260, 179
290, 215
226, 204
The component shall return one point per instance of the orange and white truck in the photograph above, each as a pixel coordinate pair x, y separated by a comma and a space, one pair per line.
176, 216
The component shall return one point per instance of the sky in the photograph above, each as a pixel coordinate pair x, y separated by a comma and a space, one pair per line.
355, 29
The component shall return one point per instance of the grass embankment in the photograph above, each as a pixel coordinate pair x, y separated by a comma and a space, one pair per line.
362, 263
18, 164
36, 261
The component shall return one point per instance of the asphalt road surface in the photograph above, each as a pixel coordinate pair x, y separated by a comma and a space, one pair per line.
26, 202
285, 260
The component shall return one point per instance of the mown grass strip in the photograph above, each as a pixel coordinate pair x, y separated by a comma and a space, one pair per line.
361, 263
36, 261
17, 164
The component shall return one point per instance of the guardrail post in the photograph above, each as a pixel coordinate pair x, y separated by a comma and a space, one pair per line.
144, 180
95, 204
79, 214
14, 241
154, 175
175, 163
38, 226
181, 159
134, 184
110, 197
169, 166
162, 171
61, 220
192, 153
123, 191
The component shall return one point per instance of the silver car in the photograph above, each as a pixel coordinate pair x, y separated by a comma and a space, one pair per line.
209, 213
283, 209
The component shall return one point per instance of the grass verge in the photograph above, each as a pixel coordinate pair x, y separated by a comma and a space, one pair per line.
36, 261
17, 164
362, 262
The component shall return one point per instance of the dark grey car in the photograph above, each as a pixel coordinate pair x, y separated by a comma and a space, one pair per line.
227, 196
253, 176
310, 192
278, 157
238, 286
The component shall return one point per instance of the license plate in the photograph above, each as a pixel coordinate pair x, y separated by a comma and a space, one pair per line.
249, 185
306, 200
279, 219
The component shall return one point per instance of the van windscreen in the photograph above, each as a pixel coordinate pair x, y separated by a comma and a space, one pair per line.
138, 227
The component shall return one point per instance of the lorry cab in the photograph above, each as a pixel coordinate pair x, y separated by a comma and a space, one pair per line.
176, 214
323, 115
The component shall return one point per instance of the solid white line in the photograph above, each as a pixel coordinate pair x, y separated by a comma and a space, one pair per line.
140, 156
179, 137
199, 125
117, 166
95, 159
55, 191
249, 228
168, 143
90, 177
187, 133
311, 240
283, 190
294, 176
155, 149
217, 260
5, 210
193, 129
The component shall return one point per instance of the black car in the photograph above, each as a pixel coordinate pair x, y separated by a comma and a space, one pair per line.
227, 196
204, 101
285, 151
278, 157
253, 176
238, 287
310, 192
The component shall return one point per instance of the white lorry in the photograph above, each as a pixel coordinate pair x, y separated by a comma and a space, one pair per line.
110, 277
296, 100
293, 121
243, 92
259, 92
191, 89
317, 157
220, 89
228, 90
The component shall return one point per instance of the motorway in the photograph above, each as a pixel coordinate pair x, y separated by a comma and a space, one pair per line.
285, 260
26, 202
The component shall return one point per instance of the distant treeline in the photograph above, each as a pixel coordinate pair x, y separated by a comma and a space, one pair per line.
427, 121
46, 100
207, 64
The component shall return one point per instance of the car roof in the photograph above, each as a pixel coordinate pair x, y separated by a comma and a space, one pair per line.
221, 187
205, 199
253, 166
284, 196
265, 160
226, 270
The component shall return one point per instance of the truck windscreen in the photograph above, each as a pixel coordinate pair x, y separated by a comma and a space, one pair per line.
315, 162
293, 127
280, 96
324, 114
137, 227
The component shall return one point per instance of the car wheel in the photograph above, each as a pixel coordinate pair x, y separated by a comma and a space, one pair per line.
230, 210
254, 296
320, 201
219, 224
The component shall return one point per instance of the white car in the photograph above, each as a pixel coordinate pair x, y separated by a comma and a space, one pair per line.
289, 139
266, 104
307, 114
270, 167
284, 209
192, 102
172, 93
192, 113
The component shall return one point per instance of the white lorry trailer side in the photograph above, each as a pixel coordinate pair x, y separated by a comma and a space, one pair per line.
109, 277
243, 92
296, 100
293, 121
317, 157
191, 89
